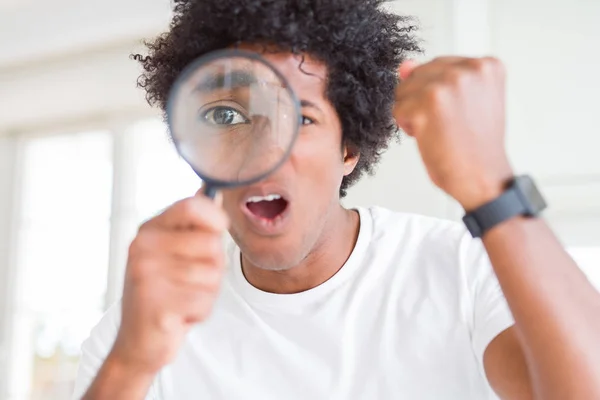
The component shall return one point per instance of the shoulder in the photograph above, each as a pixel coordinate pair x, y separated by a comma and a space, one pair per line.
415, 229
104, 333
426, 240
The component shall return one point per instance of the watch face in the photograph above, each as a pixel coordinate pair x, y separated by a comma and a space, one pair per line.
531, 195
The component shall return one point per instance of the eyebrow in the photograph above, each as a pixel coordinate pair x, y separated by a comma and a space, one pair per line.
310, 104
236, 80
233, 80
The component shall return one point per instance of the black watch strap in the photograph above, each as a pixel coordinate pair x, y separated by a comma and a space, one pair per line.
505, 207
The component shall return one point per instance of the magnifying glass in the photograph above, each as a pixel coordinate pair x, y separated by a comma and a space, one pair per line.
233, 118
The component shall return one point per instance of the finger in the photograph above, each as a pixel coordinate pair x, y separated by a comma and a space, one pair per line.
425, 74
195, 276
199, 309
412, 68
406, 68
420, 79
218, 197
409, 116
191, 309
185, 244
192, 304
431, 69
190, 213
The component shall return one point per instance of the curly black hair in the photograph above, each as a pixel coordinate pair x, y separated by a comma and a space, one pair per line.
360, 42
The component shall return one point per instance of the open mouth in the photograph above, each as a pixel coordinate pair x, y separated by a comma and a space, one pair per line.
267, 207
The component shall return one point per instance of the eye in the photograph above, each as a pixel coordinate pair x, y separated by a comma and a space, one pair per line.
224, 116
307, 121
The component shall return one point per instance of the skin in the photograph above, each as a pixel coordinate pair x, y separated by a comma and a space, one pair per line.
454, 108
313, 247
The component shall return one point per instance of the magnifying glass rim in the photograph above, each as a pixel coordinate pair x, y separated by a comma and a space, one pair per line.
206, 59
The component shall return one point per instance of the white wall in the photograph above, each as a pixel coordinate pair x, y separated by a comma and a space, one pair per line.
550, 48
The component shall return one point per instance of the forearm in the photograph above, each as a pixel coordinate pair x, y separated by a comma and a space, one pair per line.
556, 309
116, 381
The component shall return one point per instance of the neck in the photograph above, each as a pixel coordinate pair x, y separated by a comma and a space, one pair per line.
325, 259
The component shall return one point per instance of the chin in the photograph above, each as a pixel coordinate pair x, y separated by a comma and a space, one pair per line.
272, 254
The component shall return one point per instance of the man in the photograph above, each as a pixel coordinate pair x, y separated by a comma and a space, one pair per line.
314, 301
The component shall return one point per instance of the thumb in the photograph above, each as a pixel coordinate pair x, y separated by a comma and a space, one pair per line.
406, 68
218, 197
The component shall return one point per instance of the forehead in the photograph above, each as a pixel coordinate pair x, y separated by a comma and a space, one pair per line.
306, 75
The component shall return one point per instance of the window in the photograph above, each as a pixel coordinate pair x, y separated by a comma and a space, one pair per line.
84, 195
62, 257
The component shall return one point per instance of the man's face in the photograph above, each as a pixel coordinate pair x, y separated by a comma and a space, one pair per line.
278, 233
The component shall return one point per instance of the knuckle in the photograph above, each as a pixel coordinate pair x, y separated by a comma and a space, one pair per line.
415, 123
476, 64
141, 268
136, 273
456, 76
496, 65
135, 247
145, 240
485, 65
493, 61
437, 94
146, 226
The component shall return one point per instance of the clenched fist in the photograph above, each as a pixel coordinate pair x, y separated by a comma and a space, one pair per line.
174, 271
455, 109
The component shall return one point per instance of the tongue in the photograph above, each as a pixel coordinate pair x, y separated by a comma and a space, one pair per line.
268, 209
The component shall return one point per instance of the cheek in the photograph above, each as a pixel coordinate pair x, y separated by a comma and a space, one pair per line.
318, 159
231, 201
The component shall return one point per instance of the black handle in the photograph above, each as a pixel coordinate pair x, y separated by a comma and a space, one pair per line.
210, 191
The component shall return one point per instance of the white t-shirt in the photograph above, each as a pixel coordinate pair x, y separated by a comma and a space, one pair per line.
408, 316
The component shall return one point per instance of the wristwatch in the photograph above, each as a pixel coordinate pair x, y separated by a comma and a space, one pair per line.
521, 198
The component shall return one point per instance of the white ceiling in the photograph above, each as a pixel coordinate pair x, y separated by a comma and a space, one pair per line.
37, 29
8, 5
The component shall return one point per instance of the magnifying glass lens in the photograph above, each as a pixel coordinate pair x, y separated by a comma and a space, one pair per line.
234, 119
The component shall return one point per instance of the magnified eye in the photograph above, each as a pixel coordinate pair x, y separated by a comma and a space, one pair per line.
224, 116
307, 121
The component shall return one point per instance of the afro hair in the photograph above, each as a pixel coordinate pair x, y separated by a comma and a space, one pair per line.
361, 43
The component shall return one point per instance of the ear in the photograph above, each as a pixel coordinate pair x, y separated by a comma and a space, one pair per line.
351, 157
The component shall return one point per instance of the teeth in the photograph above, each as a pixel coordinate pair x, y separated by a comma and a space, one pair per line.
271, 197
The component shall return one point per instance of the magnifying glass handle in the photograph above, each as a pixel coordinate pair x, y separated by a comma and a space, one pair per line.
210, 191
